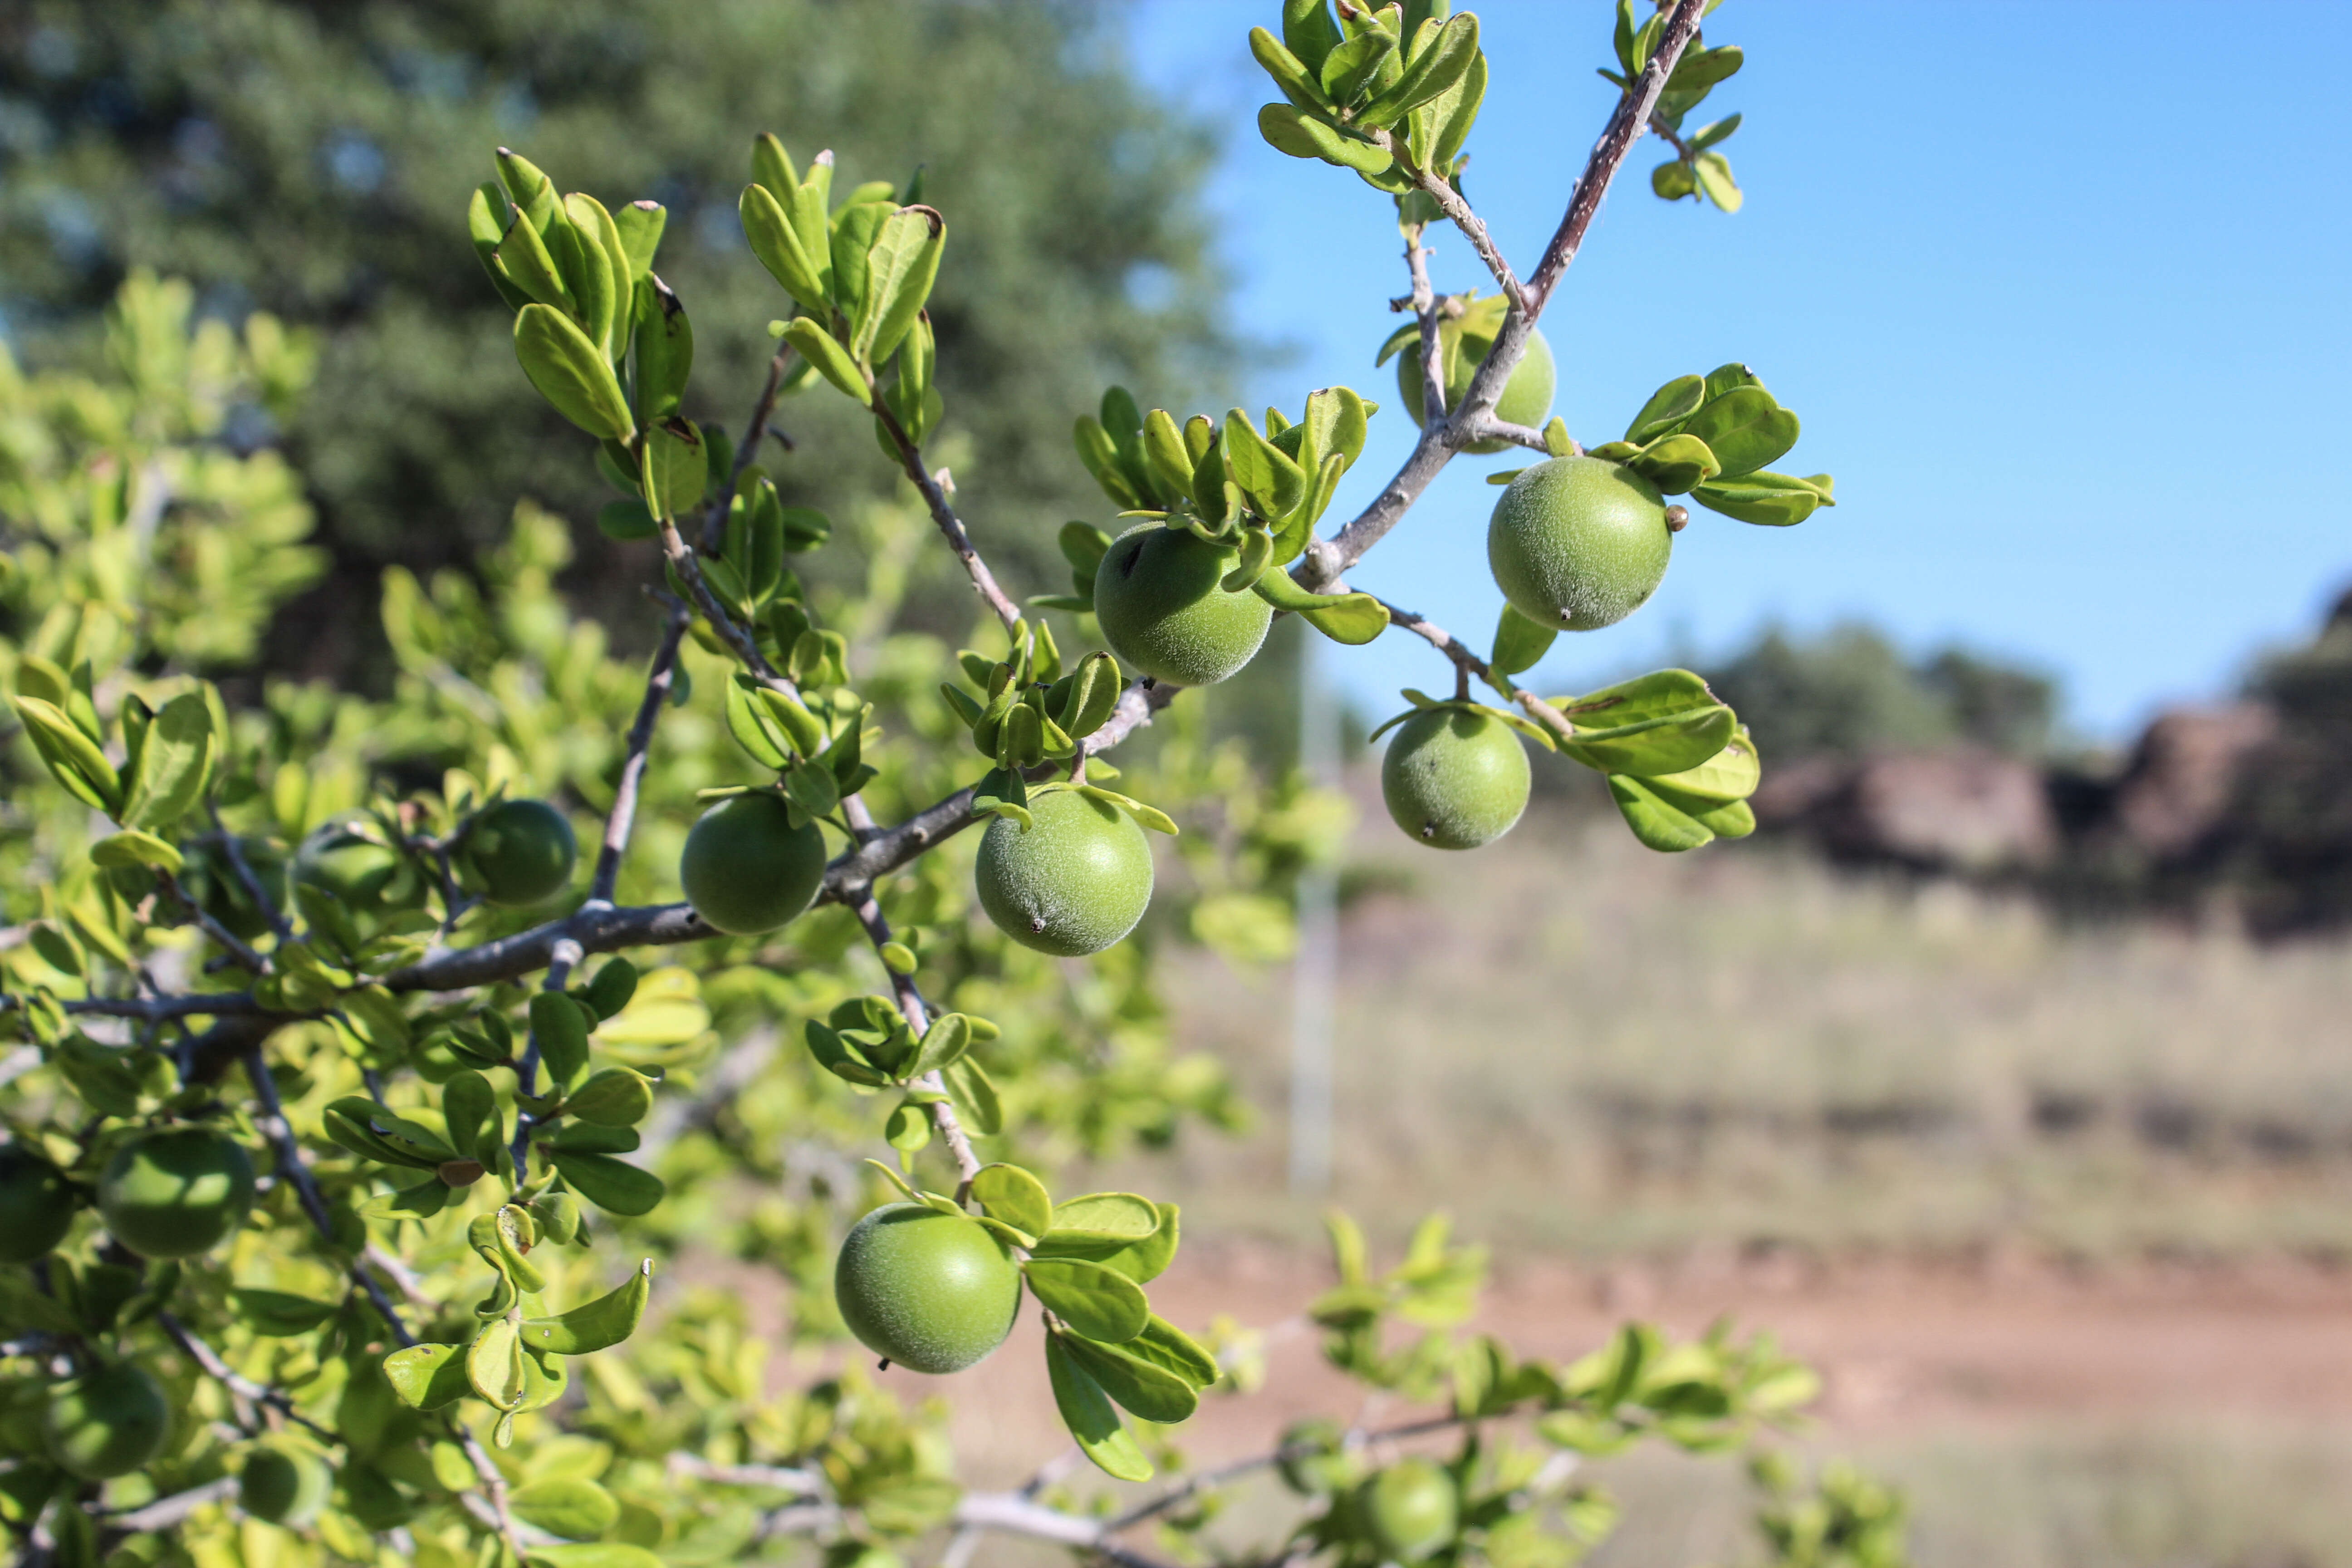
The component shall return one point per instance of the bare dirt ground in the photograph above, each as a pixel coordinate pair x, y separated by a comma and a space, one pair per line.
1905, 1347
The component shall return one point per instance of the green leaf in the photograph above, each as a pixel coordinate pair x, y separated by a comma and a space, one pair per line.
1446, 61
566, 1506
1699, 69
777, 244
1099, 1225
1706, 136
1519, 643
1093, 1421
1771, 500
1745, 430
174, 764
118, 851
947, 1039
73, 757
278, 1314
1658, 723
426, 1377
1149, 1389
663, 342
561, 1027
494, 1365
677, 469
1145, 1260
571, 373
1351, 618
901, 267
613, 1096
1674, 463
1166, 1346
1713, 171
1656, 822
1731, 775
1347, 70
1290, 129
588, 1138
1012, 1194
526, 265
610, 1184
614, 984
1098, 1303
1290, 74
832, 361
596, 268
975, 1095
469, 1107
591, 1554
1668, 407
1274, 483
639, 225
1308, 32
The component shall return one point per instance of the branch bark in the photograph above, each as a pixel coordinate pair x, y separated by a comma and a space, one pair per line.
959, 538
1326, 560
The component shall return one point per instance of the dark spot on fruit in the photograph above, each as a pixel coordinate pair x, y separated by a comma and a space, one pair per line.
1036, 923
1429, 830
884, 1365
1134, 554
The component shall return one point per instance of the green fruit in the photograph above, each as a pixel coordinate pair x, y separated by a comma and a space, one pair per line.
283, 1487
1578, 542
1163, 613
1526, 396
522, 851
36, 1205
924, 1289
1454, 778
746, 869
1410, 1510
213, 880
106, 1423
1072, 883
176, 1193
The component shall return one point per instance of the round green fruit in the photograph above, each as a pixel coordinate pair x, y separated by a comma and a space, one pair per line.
36, 1205
1577, 543
1164, 612
746, 869
106, 1423
522, 851
924, 1288
176, 1193
1454, 778
283, 1487
1411, 1509
1526, 396
1074, 881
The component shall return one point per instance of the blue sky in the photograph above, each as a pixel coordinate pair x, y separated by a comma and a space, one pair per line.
2060, 292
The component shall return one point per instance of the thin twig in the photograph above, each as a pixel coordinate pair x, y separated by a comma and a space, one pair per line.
244, 1387
622, 818
1327, 560
714, 519
248, 880
729, 630
912, 1007
230, 943
959, 538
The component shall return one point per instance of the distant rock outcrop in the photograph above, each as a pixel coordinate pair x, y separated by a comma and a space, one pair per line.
1964, 811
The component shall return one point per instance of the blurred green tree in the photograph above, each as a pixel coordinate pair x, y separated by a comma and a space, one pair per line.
314, 160
1850, 689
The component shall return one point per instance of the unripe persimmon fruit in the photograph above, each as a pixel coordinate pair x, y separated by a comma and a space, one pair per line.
1577, 543
1165, 615
1074, 881
746, 869
926, 1290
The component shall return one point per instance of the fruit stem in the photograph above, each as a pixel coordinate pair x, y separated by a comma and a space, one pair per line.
1078, 767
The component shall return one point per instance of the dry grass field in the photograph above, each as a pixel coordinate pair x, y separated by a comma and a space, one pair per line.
2064, 1213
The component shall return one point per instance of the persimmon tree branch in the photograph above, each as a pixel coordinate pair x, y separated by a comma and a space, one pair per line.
1469, 663
911, 1005
714, 516
660, 681
959, 537
1326, 560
